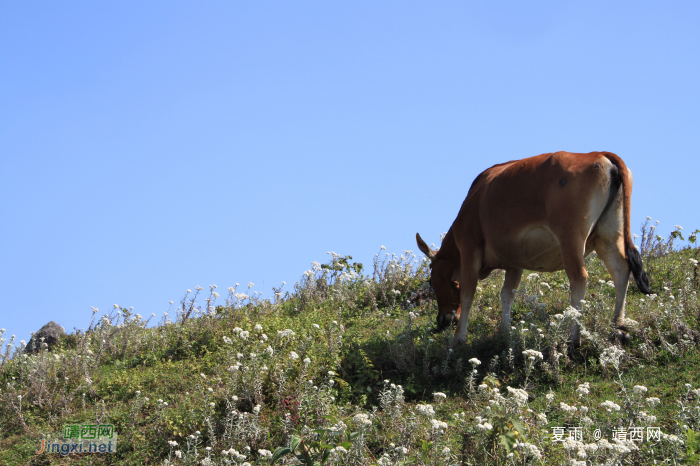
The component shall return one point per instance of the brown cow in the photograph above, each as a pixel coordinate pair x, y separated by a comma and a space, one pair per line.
543, 213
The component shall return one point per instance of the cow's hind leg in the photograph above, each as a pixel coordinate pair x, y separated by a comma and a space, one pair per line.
611, 252
510, 284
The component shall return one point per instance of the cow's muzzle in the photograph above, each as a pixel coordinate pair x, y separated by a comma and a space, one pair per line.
445, 320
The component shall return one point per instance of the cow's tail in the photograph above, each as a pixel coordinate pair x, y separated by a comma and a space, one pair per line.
634, 259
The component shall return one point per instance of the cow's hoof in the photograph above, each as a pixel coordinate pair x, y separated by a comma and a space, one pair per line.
573, 344
623, 336
458, 341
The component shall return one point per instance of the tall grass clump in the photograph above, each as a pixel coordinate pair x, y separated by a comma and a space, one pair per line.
347, 368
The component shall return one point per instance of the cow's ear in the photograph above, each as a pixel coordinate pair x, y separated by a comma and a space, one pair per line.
424, 247
455, 285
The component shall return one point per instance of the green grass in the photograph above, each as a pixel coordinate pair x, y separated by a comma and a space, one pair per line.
357, 333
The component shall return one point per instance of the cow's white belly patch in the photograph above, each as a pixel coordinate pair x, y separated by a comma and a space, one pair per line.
535, 249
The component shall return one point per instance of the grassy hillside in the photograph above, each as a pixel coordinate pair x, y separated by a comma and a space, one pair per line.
347, 368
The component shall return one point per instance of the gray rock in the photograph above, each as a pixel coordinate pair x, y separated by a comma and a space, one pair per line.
50, 333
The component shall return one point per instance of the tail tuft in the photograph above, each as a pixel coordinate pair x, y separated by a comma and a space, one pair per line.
634, 259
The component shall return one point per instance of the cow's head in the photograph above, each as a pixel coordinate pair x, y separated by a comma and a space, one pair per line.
444, 278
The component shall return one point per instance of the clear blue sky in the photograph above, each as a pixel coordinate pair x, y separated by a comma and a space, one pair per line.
150, 147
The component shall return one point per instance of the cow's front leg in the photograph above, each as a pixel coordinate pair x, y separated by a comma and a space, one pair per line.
467, 288
510, 284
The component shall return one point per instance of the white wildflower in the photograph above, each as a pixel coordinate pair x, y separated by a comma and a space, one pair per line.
610, 406
567, 409
362, 420
583, 389
485, 426
639, 389
425, 410
438, 425
518, 395
529, 449
532, 354
652, 401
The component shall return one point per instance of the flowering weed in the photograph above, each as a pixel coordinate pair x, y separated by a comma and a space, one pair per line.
348, 369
